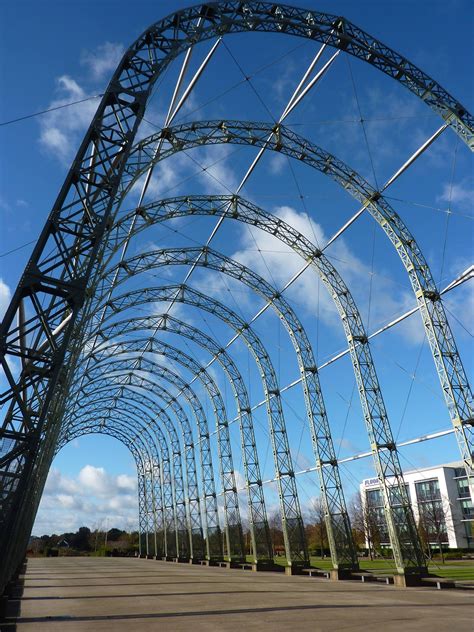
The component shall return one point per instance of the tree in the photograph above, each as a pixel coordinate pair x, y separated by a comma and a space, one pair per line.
276, 532
316, 527
366, 524
80, 539
432, 524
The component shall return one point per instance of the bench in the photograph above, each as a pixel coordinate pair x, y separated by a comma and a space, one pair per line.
246, 566
370, 577
316, 572
440, 582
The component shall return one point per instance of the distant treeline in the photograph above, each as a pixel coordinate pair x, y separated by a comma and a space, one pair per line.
85, 542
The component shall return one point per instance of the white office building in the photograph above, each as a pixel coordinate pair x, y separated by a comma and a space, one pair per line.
441, 504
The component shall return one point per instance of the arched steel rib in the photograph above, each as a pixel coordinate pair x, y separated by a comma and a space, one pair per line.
134, 415
104, 391
451, 373
402, 528
260, 535
234, 534
291, 514
149, 503
236, 208
213, 540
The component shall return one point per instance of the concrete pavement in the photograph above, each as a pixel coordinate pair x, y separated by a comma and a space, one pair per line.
69, 594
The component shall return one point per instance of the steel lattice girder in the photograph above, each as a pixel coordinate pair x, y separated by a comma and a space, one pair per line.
454, 383
124, 404
64, 256
157, 468
234, 541
291, 514
195, 520
338, 524
260, 535
402, 528
103, 392
236, 208
148, 521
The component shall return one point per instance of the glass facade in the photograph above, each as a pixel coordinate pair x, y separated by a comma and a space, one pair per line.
375, 514
437, 502
432, 518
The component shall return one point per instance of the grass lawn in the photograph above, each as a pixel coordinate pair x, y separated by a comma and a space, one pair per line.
453, 569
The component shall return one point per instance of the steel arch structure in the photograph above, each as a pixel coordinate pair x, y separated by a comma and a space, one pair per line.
148, 521
451, 373
398, 509
239, 209
54, 293
290, 510
259, 531
181, 540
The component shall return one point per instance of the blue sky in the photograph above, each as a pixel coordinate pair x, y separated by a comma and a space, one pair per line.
59, 53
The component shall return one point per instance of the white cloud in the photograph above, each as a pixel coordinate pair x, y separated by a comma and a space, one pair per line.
93, 496
103, 60
5, 297
460, 194
61, 129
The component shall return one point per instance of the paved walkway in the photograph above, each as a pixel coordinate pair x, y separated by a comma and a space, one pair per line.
94, 594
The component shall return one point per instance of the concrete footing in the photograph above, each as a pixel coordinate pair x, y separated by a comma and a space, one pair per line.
337, 574
406, 580
294, 569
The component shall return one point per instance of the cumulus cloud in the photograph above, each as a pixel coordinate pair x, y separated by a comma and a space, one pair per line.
103, 60
60, 130
92, 496
5, 297
460, 194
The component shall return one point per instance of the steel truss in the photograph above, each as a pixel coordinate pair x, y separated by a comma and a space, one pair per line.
53, 288
150, 504
233, 526
451, 373
398, 509
291, 514
178, 532
258, 522
399, 515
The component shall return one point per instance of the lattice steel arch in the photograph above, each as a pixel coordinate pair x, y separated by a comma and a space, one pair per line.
149, 504
380, 435
453, 379
290, 510
196, 544
210, 514
259, 530
62, 261
126, 405
179, 540
233, 525
343, 550
191, 501
159, 464
402, 528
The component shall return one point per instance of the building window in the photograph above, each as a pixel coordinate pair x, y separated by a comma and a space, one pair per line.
428, 490
467, 509
463, 488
